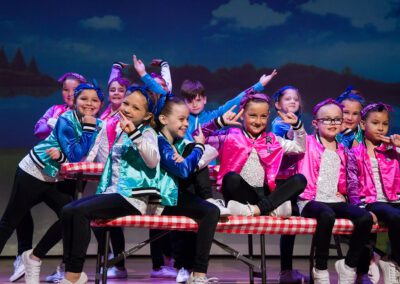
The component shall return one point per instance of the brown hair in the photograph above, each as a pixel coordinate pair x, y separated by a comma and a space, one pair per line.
167, 109
191, 88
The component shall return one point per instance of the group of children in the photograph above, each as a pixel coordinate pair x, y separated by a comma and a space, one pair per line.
157, 147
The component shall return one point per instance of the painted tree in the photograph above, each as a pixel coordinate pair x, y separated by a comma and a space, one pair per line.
18, 63
32, 67
3, 59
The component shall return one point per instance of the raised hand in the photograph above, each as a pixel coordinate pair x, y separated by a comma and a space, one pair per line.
156, 62
126, 125
392, 139
199, 138
54, 153
265, 79
231, 118
139, 66
289, 118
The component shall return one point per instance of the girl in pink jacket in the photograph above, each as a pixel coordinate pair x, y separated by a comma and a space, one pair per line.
251, 157
324, 166
374, 178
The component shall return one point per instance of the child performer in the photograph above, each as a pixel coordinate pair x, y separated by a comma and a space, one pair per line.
37, 174
287, 99
324, 165
353, 102
250, 158
173, 123
117, 87
374, 177
130, 181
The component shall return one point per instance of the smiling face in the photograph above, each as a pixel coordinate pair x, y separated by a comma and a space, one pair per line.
351, 114
116, 94
88, 103
334, 115
196, 105
68, 89
255, 117
134, 107
375, 125
176, 121
289, 101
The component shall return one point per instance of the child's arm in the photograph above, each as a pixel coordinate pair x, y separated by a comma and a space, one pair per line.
165, 72
258, 87
352, 179
42, 127
146, 78
298, 144
280, 129
116, 71
180, 169
72, 147
147, 144
99, 152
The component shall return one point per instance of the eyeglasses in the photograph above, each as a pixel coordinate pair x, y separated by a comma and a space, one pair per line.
330, 121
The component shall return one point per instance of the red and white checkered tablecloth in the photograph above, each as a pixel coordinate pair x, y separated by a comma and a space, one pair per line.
86, 168
234, 225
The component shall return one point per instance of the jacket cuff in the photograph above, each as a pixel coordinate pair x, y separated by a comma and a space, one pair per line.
62, 158
88, 127
219, 121
118, 65
135, 135
297, 125
164, 63
201, 147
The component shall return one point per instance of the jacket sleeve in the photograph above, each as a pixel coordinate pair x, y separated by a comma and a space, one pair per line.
209, 155
147, 144
280, 128
298, 144
74, 148
116, 72
215, 136
42, 129
258, 87
352, 179
153, 85
183, 169
166, 74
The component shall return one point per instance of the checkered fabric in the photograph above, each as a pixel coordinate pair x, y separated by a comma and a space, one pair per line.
90, 170
233, 225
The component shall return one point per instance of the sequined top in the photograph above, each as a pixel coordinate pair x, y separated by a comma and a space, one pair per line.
253, 172
327, 184
380, 196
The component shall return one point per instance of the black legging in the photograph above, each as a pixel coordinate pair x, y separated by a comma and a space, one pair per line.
27, 192
76, 218
206, 216
326, 213
234, 187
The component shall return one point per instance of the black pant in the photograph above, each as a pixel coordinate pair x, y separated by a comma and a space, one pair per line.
389, 213
181, 243
27, 192
25, 233
206, 216
117, 240
234, 187
287, 241
326, 213
76, 218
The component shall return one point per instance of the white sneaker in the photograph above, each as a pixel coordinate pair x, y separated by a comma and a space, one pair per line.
83, 279
320, 276
117, 273
346, 274
391, 273
200, 280
283, 211
19, 269
240, 209
373, 273
57, 275
164, 272
183, 275
224, 212
32, 268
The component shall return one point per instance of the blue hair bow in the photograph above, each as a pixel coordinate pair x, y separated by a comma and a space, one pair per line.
87, 86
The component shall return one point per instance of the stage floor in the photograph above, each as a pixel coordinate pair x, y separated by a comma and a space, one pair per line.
227, 270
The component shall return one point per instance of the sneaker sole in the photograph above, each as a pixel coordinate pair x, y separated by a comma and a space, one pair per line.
17, 277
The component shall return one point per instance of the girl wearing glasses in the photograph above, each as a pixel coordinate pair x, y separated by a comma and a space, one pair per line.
324, 166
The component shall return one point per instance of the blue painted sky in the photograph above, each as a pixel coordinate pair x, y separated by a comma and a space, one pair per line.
87, 36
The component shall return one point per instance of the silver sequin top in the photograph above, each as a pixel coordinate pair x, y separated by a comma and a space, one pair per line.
327, 184
253, 172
